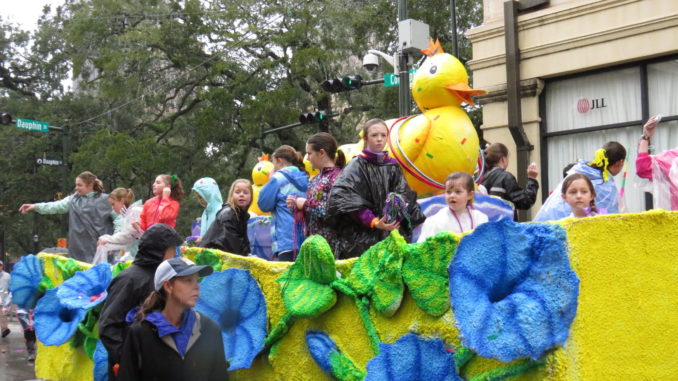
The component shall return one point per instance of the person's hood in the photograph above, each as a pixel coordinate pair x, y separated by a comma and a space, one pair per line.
153, 244
208, 189
298, 178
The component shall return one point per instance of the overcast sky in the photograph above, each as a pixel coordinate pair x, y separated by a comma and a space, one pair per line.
25, 12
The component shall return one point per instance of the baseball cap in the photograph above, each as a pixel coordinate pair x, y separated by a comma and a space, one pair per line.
178, 267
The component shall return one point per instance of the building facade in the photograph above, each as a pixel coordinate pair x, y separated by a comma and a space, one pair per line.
591, 71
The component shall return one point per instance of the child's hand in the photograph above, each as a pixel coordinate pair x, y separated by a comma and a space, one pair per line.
384, 225
291, 202
25, 208
166, 192
650, 127
532, 171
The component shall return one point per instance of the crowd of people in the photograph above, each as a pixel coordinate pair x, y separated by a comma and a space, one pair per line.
353, 205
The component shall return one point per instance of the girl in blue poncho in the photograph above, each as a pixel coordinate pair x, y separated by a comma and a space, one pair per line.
289, 179
608, 162
209, 196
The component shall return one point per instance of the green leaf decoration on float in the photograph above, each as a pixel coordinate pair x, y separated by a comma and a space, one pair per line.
306, 289
209, 258
377, 274
425, 272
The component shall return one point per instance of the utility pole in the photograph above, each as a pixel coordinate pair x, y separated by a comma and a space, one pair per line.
403, 74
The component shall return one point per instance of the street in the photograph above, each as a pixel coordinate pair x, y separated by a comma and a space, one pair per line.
14, 364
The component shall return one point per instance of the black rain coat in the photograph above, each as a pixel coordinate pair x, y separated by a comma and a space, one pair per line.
501, 183
228, 232
131, 287
364, 184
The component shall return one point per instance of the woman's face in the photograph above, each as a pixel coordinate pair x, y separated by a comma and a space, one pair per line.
82, 188
158, 185
185, 290
242, 196
316, 158
375, 140
117, 205
200, 199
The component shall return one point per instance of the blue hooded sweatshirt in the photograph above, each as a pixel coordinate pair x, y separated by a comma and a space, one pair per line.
555, 208
273, 198
208, 189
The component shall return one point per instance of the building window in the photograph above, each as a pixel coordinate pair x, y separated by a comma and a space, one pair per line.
581, 113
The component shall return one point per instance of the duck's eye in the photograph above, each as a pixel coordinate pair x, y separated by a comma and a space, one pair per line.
433, 69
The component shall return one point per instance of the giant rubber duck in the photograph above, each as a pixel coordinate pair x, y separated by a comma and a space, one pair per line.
260, 176
441, 139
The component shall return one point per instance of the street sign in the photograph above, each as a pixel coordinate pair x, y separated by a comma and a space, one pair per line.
44, 161
32, 125
391, 79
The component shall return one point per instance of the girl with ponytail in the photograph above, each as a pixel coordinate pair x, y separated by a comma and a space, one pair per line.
607, 162
89, 215
164, 207
289, 179
126, 239
322, 152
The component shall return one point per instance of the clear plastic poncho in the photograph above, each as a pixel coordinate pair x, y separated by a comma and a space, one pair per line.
607, 196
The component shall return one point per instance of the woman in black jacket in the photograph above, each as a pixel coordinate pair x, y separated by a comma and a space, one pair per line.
502, 183
229, 230
169, 340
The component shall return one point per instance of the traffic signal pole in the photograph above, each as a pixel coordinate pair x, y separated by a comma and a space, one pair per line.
403, 74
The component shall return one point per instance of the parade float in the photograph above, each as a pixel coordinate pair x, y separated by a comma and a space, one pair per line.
574, 299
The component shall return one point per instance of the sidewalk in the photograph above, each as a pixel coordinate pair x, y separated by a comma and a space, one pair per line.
14, 364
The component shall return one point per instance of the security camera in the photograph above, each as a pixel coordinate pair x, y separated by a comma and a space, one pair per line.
370, 61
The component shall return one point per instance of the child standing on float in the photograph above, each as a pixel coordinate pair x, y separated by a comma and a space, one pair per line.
580, 195
289, 178
322, 152
608, 162
359, 195
229, 230
164, 207
460, 215
89, 215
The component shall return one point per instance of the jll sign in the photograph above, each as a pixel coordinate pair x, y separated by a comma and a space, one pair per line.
585, 105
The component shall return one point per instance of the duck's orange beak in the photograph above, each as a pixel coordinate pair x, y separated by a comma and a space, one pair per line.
464, 91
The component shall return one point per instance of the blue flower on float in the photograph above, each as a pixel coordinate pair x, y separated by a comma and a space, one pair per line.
321, 347
54, 323
233, 299
24, 284
512, 289
100, 362
413, 357
86, 289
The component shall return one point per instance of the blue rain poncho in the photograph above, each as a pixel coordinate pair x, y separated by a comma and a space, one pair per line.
208, 189
555, 208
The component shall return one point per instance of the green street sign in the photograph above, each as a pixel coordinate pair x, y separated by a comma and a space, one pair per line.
32, 125
391, 79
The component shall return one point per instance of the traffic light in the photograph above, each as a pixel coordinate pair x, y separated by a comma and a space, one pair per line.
339, 85
313, 117
5, 118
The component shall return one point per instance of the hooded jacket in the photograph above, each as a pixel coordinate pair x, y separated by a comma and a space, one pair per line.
228, 232
273, 198
132, 286
555, 208
208, 189
361, 189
